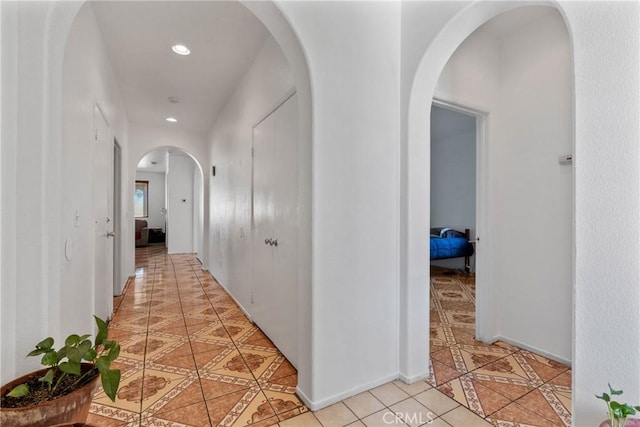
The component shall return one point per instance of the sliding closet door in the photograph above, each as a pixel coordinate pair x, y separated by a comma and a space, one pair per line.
275, 232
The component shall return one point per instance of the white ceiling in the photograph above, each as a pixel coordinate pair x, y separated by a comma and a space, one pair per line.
224, 38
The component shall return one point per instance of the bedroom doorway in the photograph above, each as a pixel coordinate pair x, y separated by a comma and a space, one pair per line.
518, 67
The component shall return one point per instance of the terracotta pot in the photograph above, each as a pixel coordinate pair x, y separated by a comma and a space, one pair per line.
68, 409
631, 422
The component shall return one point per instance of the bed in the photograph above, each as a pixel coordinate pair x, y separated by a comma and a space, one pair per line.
446, 243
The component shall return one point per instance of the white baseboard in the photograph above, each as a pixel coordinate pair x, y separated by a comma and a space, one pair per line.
317, 405
244, 310
533, 349
415, 378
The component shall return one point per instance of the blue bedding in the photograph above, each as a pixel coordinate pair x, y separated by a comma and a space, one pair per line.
450, 244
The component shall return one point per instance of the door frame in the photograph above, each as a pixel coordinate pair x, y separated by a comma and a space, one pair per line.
117, 218
483, 328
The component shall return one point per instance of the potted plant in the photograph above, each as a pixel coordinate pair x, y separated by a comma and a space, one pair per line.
618, 412
62, 392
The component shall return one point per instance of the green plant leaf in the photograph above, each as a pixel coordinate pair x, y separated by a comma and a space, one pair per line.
19, 391
84, 337
102, 330
50, 358
111, 382
36, 352
108, 345
72, 339
103, 363
74, 354
114, 352
604, 397
637, 408
48, 377
614, 392
63, 352
46, 343
71, 367
90, 355
84, 347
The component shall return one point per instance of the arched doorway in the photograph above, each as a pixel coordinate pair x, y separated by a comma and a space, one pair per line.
417, 208
61, 20
157, 193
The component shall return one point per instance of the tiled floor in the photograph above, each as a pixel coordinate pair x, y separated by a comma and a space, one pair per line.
501, 383
191, 358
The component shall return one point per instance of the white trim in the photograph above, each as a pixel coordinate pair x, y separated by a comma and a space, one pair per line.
244, 310
534, 349
284, 98
315, 406
413, 379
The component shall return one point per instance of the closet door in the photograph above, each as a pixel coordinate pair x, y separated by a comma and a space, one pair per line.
275, 236
285, 255
263, 213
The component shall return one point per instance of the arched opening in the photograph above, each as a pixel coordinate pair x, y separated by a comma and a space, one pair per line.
84, 76
169, 179
449, 80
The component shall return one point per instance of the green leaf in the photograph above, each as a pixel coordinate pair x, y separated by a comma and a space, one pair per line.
36, 352
84, 337
63, 352
19, 391
108, 345
50, 358
73, 354
114, 352
614, 392
84, 347
46, 343
72, 340
604, 397
71, 367
90, 355
48, 377
637, 408
111, 382
103, 363
102, 330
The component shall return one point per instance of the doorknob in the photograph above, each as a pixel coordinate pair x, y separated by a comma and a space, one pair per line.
111, 234
274, 242
268, 241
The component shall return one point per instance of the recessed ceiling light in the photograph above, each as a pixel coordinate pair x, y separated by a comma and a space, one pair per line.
180, 49
171, 119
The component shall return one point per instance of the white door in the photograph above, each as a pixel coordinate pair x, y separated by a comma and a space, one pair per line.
263, 232
102, 216
275, 216
283, 298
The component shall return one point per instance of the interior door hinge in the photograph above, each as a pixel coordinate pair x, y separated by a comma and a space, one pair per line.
252, 152
96, 136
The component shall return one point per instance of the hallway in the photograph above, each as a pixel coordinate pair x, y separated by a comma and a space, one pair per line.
189, 355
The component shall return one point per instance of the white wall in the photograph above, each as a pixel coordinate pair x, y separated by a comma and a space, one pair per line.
45, 147
180, 204
453, 174
198, 213
88, 80
264, 84
156, 197
353, 51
